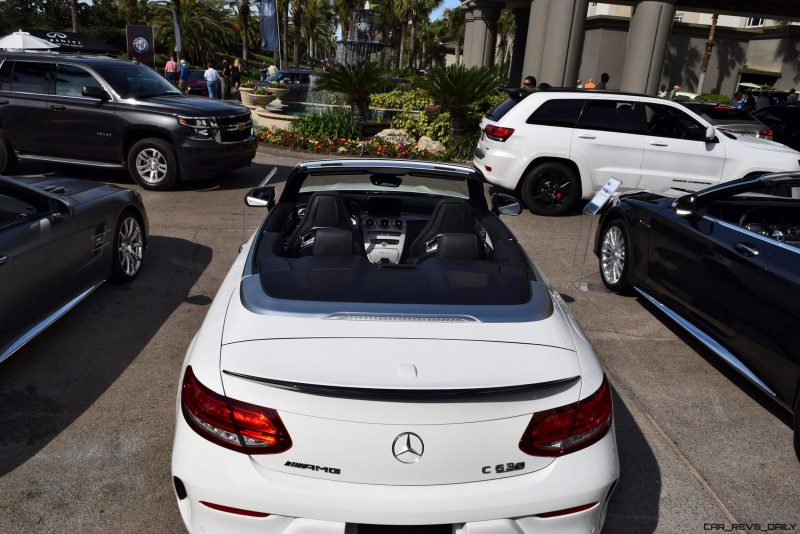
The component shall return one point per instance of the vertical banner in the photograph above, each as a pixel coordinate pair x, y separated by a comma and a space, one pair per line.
178, 44
269, 26
140, 44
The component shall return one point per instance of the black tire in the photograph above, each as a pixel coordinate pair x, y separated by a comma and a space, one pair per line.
152, 164
550, 188
615, 256
7, 158
127, 256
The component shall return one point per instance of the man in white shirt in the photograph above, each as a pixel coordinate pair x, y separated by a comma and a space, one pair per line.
211, 77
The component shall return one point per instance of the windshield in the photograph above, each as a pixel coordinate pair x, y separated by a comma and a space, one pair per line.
135, 81
396, 183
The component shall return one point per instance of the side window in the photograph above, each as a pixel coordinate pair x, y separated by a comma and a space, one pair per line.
560, 112
30, 77
666, 121
5, 75
612, 115
17, 207
70, 80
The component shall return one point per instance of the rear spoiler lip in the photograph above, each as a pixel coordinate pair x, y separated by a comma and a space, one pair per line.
404, 394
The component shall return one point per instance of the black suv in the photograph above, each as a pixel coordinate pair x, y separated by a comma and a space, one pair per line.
104, 112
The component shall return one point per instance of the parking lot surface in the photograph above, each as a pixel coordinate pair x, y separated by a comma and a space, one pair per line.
87, 409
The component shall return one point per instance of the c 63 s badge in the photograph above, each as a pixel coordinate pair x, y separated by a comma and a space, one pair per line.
503, 468
298, 465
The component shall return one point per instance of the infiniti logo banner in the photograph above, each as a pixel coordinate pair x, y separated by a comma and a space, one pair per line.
408, 448
56, 35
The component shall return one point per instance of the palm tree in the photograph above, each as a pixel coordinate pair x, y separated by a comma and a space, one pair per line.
402, 8
316, 23
296, 14
456, 87
357, 82
131, 12
242, 24
343, 9
205, 25
456, 24
420, 10
506, 26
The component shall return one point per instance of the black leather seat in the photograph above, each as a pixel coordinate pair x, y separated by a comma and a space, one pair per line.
325, 210
450, 216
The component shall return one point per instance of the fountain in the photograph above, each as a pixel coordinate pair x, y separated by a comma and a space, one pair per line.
363, 38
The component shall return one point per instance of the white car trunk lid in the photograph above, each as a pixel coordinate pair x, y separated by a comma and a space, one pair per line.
379, 411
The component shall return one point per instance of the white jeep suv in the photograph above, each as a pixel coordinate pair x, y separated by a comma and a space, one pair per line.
555, 147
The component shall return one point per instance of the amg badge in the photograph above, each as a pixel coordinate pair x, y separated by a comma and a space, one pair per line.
298, 465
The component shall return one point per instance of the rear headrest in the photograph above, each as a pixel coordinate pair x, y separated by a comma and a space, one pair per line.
332, 242
458, 247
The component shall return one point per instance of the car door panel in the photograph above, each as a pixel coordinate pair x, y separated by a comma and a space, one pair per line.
675, 155
24, 114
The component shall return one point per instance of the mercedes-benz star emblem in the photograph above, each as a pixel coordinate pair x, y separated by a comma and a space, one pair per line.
408, 448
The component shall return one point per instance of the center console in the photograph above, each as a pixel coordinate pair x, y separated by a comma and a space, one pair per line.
384, 230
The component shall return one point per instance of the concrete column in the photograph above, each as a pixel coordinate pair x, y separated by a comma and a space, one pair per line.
648, 39
537, 32
521, 17
566, 25
480, 35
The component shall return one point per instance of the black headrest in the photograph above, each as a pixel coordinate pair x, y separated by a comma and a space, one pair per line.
327, 209
458, 247
332, 242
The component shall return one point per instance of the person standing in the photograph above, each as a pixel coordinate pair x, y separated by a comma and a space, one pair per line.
662, 91
184, 75
603, 81
272, 69
236, 75
225, 80
529, 83
791, 98
590, 84
262, 71
171, 70
579, 85
212, 77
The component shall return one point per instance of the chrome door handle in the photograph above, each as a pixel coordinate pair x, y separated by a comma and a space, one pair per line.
586, 136
659, 143
57, 107
747, 250
3, 260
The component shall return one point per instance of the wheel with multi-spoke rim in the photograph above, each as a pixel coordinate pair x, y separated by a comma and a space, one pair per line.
614, 256
550, 188
152, 164
7, 158
128, 253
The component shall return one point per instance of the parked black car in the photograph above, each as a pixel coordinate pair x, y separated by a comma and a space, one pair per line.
104, 112
730, 119
60, 239
724, 263
784, 122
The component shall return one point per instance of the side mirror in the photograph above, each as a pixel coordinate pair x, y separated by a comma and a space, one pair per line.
710, 134
685, 205
503, 204
261, 196
96, 92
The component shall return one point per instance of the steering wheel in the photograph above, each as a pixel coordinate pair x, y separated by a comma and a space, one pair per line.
765, 221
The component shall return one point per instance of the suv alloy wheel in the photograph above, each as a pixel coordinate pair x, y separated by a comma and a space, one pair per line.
550, 188
152, 164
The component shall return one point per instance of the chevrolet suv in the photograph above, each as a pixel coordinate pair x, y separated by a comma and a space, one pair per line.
554, 147
103, 112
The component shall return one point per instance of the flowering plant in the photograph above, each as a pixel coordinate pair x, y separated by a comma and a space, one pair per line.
261, 91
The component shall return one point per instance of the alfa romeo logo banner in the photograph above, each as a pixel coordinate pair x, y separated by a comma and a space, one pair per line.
140, 44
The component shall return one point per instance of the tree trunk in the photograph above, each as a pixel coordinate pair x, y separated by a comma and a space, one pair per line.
176, 7
707, 55
458, 122
412, 54
360, 110
284, 52
131, 12
402, 45
458, 53
74, 12
245, 17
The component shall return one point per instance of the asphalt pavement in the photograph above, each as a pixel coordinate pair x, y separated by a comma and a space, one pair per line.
87, 409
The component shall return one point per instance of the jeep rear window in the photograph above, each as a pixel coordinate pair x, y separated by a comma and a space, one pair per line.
558, 112
497, 112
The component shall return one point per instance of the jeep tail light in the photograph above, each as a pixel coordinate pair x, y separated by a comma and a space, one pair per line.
498, 133
570, 428
233, 424
766, 133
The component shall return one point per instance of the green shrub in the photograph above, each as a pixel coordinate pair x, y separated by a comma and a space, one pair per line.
333, 123
460, 148
414, 124
414, 100
714, 97
439, 128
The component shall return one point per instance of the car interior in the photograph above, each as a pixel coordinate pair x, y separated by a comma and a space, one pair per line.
390, 246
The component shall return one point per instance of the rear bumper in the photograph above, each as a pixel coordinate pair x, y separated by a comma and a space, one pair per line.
304, 505
201, 158
500, 167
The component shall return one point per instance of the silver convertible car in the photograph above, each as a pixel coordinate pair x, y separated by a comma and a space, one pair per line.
60, 239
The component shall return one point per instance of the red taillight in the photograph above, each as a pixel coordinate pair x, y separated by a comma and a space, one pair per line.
497, 133
236, 425
723, 106
766, 133
232, 510
569, 428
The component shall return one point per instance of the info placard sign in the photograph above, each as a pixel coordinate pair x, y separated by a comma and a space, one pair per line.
602, 197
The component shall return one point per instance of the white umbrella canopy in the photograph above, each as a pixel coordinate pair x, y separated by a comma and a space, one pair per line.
24, 41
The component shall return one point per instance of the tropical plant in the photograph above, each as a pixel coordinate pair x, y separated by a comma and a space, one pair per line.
242, 25
456, 87
333, 123
357, 82
414, 100
296, 15
455, 24
206, 28
506, 26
